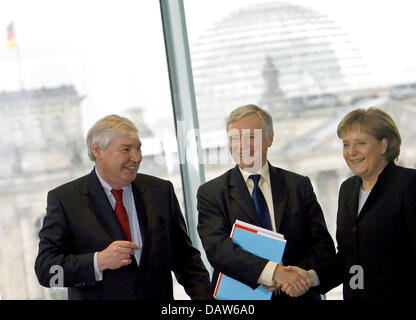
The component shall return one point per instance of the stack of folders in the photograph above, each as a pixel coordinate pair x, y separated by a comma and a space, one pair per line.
261, 242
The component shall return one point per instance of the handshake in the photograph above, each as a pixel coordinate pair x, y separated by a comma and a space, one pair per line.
293, 281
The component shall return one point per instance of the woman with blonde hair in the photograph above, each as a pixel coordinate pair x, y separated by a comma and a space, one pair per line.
376, 219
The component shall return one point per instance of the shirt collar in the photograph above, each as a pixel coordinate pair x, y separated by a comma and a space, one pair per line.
106, 186
263, 172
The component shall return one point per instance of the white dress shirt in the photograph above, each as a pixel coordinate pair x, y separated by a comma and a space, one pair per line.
362, 198
128, 202
266, 277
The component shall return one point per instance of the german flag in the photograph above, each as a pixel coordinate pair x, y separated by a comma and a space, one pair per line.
11, 39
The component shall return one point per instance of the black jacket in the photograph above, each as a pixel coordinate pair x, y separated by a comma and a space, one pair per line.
298, 217
382, 240
80, 221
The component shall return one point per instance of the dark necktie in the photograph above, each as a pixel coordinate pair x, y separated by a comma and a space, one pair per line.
121, 213
260, 203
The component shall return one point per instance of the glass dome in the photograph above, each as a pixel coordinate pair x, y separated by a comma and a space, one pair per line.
273, 52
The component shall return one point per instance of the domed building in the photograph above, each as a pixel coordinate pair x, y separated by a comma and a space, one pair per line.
306, 71
279, 55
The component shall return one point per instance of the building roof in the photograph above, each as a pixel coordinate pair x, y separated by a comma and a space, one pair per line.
23, 96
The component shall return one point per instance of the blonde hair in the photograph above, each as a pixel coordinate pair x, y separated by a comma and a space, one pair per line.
376, 122
105, 130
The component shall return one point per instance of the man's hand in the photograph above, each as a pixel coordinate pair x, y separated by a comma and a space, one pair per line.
116, 255
272, 288
293, 281
290, 290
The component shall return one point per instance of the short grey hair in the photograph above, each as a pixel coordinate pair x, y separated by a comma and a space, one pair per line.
249, 109
105, 130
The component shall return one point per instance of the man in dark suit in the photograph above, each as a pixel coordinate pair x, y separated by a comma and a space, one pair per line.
292, 210
114, 233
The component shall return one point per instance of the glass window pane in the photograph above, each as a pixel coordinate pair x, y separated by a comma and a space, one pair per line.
71, 63
308, 63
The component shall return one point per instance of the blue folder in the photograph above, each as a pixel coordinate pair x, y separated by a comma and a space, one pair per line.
261, 242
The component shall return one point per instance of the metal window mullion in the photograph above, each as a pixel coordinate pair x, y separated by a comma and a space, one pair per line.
184, 110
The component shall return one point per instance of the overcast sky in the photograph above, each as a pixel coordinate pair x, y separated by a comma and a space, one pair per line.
113, 51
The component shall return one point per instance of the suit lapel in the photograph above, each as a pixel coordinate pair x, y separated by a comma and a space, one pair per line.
355, 194
279, 194
99, 204
383, 176
348, 206
240, 194
143, 201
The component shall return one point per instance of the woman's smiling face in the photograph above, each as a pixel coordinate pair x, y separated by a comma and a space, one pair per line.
363, 153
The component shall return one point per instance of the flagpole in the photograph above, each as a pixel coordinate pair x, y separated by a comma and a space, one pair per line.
19, 69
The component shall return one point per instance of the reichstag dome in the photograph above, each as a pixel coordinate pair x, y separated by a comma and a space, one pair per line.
279, 55
303, 68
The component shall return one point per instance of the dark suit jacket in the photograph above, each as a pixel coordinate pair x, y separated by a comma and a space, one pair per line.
80, 221
382, 239
298, 217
